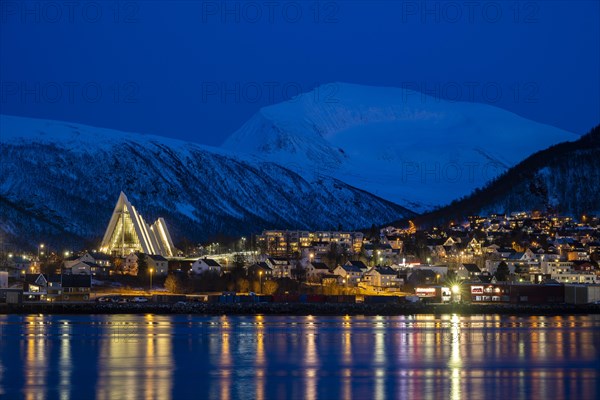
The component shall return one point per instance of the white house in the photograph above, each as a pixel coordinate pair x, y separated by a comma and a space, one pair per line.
381, 278
350, 273
87, 268
79, 268
202, 265
281, 267
73, 260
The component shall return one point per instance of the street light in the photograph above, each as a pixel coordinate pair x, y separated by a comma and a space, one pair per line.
41, 246
260, 279
151, 271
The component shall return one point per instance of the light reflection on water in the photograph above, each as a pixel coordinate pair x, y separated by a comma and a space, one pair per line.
272, 357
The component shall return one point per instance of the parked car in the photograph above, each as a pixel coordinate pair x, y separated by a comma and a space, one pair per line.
139, 300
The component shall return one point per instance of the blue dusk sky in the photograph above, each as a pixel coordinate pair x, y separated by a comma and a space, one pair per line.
197, 70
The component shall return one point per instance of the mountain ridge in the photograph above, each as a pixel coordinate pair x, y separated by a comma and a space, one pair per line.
66, 185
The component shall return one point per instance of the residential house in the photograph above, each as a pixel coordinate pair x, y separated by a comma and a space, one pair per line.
360, 265
203, 265
182, 265
42, 287
260, 270
69, 262
55, 287
282, 268
419, 276
585, 266
555, 267
315, 271
76, 287
103, 260
158, 264
349, 273
395, 242
381, 278
87, 268
474, 247
468, 272
16, 266
436, 248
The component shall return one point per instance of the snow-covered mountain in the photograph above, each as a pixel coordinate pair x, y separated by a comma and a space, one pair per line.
59, 182
401, 145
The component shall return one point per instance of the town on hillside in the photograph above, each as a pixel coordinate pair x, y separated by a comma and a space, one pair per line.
524, 257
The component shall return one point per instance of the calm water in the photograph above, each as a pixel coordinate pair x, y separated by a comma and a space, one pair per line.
272, 357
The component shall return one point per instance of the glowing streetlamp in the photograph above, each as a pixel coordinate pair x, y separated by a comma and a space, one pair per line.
260, 278
456, 292
151, 271
41, 246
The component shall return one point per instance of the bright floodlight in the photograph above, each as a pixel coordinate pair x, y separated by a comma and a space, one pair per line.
456, 289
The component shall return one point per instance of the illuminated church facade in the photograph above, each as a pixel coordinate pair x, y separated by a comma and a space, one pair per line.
127, 232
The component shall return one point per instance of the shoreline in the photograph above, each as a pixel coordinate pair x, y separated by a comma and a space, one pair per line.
295, 309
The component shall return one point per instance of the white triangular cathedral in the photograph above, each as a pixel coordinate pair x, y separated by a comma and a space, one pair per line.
127, 232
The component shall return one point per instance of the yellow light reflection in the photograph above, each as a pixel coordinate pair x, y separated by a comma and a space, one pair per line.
455, 363
311, 360
260, 358
127, 344
36, 361
65, 362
